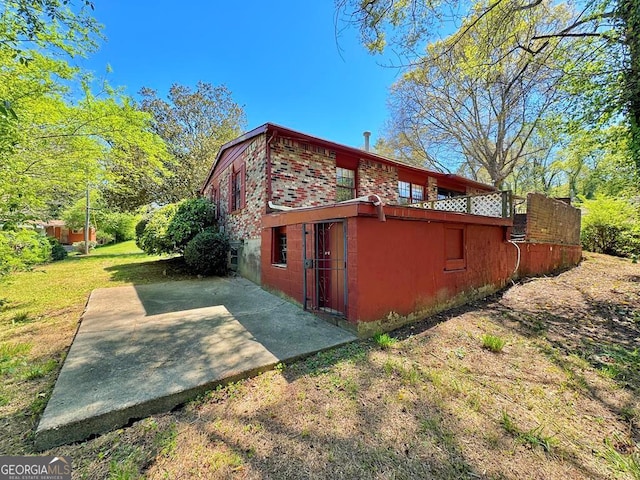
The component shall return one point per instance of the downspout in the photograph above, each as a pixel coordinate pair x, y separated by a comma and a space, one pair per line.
269, 167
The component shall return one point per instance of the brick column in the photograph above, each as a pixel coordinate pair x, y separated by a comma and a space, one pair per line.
432, 189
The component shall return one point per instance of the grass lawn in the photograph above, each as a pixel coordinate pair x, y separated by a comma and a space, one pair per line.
39, 313
539, 381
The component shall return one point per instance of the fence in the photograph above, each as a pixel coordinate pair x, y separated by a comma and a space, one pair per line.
494, 204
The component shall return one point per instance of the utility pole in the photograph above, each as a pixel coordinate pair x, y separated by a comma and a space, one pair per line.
86, 223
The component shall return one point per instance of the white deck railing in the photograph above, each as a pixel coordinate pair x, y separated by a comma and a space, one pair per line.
494, 204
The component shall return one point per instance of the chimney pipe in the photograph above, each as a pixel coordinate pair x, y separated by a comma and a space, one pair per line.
366, 140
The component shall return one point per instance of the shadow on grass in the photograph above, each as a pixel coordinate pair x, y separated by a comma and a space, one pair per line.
150, 272
350, 425
313, 448
97, 254
604, 336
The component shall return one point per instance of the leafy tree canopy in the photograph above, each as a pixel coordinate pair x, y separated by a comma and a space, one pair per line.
475, 100
194, 125
61, 136
601, 80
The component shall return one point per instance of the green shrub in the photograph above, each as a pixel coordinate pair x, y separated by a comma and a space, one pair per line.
610, 225
140, 226
207, 252
104, 238
7, 257
120, 225
192, 217
170, 228
57, 250
154, 238
21, 249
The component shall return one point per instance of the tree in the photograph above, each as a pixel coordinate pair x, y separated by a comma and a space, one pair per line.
628, 13
194, 125
610, 225
47, 25
52, 147
408, 25
111, 225
64, 25
607, 29
55, 148
475, 100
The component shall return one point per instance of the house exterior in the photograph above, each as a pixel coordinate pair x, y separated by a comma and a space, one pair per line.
67, 236
372, 242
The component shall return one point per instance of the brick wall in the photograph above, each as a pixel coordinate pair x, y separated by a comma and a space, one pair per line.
302, 175
377, 179
243, 223
432, 189
551, 221
474, 191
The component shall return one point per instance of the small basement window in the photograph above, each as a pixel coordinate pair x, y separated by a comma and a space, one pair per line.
233, 255
279, 246
454, 248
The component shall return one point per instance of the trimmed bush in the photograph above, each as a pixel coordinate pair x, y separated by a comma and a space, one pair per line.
207, 253
57, 250
170, 228
192, 217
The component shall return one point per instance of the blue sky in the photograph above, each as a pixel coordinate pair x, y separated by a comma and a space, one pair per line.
279, 59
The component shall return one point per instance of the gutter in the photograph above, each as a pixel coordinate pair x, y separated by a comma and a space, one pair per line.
374, 199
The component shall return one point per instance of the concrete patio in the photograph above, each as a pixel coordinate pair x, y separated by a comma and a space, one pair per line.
146, 349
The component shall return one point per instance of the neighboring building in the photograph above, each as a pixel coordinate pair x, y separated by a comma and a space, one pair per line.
374, 242
66, 236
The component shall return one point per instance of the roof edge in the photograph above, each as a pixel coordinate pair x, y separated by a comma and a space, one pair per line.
328, 143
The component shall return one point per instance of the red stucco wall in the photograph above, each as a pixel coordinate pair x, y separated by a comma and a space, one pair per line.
541, 258
399, 267
287, 279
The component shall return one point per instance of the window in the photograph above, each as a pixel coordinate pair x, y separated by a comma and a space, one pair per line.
410, 192
454, 248
279, 245
446, 193
345, 184
417, 192
233, 256
236, 189
215, 198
